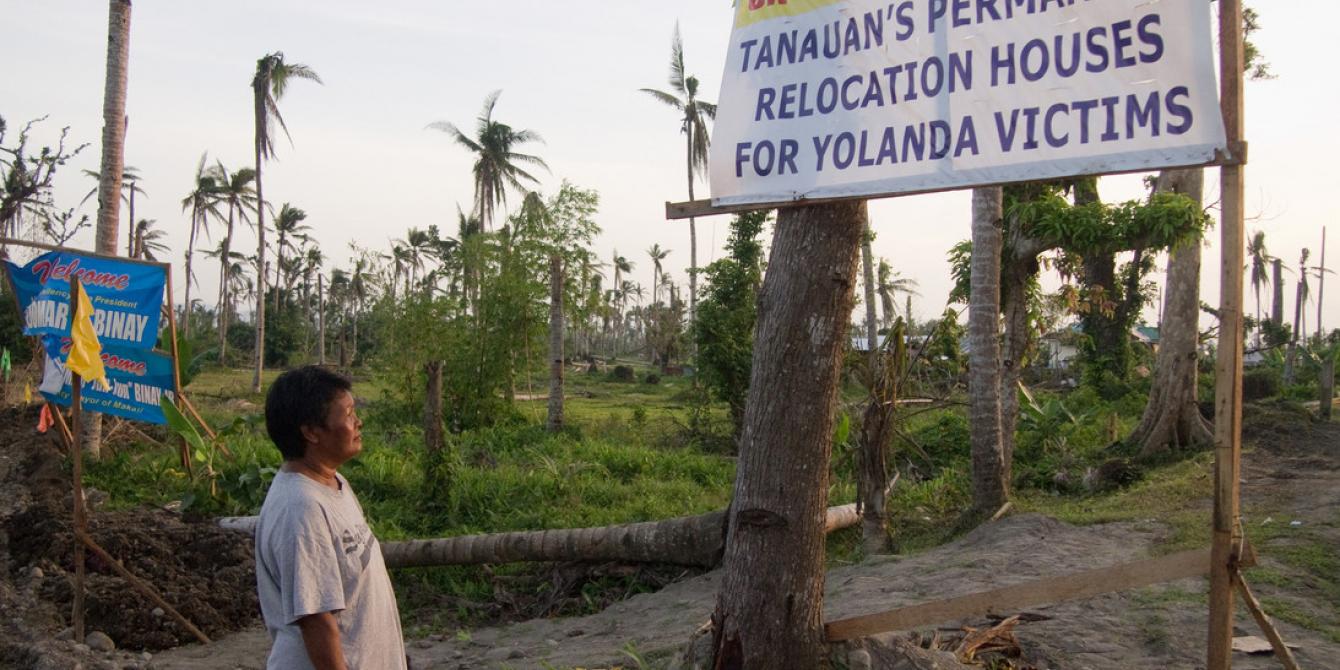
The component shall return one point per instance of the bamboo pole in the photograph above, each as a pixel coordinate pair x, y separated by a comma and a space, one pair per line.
139, 585
77, 457
1228, 366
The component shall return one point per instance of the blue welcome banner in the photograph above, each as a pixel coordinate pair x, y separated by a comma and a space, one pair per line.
138, 379
127, 297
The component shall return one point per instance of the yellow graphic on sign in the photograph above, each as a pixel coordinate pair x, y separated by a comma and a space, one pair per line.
749, 12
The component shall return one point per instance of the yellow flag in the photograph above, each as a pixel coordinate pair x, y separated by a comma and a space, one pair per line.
85, 351
27, 393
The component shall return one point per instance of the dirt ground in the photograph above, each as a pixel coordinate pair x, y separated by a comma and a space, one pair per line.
1291, 474
203, 571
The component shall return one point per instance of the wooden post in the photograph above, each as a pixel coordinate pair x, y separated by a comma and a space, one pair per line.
176, 363
1228, 365
77, 458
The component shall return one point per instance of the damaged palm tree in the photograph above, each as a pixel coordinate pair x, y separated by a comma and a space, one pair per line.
884, 373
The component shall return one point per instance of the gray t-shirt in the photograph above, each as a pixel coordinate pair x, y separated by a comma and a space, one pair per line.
314, 554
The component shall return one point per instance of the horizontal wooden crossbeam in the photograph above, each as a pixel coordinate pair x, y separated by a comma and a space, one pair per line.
1237, 155
1011, 599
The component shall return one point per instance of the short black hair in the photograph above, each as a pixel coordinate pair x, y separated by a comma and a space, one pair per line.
300, 397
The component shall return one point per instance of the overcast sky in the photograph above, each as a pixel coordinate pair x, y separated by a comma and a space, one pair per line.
365, 169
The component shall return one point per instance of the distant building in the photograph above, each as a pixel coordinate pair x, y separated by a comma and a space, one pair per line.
1060, 347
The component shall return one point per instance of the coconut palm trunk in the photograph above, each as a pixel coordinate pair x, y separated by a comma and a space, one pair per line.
687, 540
770, 605
693, 247
260, 262
225, 261
989, 486
113, 161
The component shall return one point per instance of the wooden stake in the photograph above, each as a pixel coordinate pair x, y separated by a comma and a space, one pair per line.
176, 364
1282, 651
60, 421
86, 540
1228, 366
77, 456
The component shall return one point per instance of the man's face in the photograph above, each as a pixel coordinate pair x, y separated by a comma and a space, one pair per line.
341, 438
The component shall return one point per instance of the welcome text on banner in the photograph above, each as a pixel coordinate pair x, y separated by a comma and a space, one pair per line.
127, 297
833, 98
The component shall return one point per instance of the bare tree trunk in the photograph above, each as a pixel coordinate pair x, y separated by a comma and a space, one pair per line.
1021, 268
769, 610
990, 489
1292, 354
1277, 304
868, 272
321, 319
433, 437
876, 422
555, 420
1172, 418
1321, 280
113, 162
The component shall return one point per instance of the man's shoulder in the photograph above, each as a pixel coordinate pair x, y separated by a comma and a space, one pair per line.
289, 496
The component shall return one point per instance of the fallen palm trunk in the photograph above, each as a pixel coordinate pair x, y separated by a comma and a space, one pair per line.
687, 540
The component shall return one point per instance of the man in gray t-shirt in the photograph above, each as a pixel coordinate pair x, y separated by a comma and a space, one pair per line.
324, 592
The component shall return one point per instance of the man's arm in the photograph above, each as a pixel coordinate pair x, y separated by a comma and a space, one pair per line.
321, 637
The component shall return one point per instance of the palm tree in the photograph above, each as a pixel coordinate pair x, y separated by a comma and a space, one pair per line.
888, 285
149, 243
130, 178
358, 290
1259, 261
497, 166
229, 263
267, 87
657, 255
202, 202
693, 123
287, 225
235, 189
622, 266
1299, 300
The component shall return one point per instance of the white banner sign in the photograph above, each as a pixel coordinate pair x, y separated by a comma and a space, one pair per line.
833, 98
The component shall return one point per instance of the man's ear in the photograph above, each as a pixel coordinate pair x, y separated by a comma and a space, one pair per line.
308, 434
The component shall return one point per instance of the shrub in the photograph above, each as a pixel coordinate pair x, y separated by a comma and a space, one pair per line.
652, 378
623, 373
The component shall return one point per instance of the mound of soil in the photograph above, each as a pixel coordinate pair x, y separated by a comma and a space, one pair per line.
205, 572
